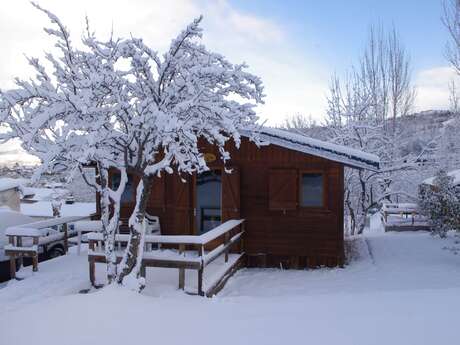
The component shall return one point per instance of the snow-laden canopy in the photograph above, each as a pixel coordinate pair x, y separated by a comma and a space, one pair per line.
337, 153
455, 174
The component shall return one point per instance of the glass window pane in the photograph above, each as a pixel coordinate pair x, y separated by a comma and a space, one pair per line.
312, 190
128, 193
208, 200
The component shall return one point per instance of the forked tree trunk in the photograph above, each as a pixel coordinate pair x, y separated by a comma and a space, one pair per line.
105, 219
110, 219
130, 265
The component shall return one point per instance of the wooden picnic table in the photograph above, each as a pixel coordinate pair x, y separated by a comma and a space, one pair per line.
24, 240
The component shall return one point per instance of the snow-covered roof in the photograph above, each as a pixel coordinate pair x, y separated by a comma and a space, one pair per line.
454, 173
7, 183
44, 209
302, 143
43, 194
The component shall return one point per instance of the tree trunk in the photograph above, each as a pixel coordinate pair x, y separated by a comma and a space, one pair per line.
110, 218
105, 219
132, 259
351, 212
362, 208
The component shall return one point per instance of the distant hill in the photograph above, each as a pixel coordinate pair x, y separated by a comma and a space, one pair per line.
415, 131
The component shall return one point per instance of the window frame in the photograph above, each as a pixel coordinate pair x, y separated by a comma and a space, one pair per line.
325, 189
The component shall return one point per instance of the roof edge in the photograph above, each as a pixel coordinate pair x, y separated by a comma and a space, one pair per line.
337, 153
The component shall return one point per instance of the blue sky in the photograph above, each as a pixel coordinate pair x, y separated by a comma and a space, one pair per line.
335, 30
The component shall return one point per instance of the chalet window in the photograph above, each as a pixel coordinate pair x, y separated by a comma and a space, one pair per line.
128, 193
282, 189
312, 190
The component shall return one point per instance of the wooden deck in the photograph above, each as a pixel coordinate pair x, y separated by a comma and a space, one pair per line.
183, 252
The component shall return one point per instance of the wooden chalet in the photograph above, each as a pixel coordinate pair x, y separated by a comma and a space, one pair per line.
289, 192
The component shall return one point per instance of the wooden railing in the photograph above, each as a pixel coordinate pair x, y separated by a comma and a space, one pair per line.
229, 233
24, 240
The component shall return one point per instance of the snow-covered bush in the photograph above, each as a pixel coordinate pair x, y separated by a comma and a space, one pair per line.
440, 202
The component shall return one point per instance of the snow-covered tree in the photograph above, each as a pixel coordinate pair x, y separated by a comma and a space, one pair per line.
440, 203
119, 104
187, 94
362, 111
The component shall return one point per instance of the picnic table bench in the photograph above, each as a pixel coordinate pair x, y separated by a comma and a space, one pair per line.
403, 216
24, 240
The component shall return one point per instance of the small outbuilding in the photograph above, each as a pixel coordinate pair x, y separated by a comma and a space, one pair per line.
290, 193
10, 195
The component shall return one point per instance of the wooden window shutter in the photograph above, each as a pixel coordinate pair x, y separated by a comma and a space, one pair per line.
183, 206
282, 189
231, 194
157, 193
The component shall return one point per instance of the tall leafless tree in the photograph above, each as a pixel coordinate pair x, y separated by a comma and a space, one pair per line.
454, 98
451, 20
401, 93
384, 70
363, 107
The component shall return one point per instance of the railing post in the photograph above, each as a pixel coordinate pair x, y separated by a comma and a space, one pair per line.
12, 260
181, 270
242, 238
19, 244
200, 271
35, 256
226, 239
79, 242
66, 238
92, 265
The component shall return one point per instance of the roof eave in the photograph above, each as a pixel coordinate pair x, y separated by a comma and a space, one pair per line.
350, 161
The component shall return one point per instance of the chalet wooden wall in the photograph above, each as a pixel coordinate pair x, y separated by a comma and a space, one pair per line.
294, 237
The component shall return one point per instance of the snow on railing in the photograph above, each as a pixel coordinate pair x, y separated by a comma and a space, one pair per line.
178, 239
400, 208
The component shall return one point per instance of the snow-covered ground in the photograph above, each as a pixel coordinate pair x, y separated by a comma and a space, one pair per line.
403, 288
